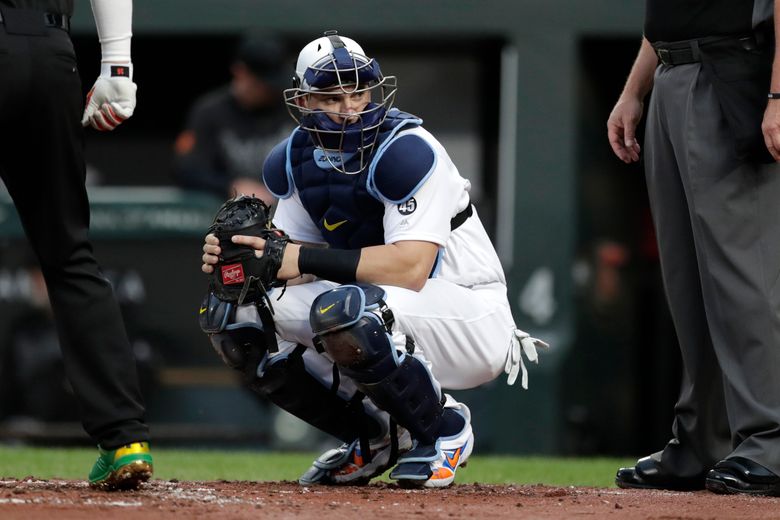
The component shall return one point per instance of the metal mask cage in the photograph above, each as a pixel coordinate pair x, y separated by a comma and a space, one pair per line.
345, 139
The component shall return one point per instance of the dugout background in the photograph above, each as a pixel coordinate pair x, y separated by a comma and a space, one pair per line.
519, 93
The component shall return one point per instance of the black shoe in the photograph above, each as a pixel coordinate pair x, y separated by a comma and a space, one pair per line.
648, 474
740, 475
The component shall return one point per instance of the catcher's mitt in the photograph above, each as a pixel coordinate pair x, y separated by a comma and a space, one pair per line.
241, 276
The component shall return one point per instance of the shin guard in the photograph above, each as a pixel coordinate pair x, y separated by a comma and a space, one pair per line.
353, 324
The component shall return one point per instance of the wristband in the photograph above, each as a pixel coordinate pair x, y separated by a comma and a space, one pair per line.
773, 95
116, 70
336, 265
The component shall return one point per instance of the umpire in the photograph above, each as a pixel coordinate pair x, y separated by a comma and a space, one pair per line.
714, 187
42, 165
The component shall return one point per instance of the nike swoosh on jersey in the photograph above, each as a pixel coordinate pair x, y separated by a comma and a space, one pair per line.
323, 310
203, 309
331, 227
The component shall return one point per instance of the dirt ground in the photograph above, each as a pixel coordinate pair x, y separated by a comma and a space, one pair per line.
30, 498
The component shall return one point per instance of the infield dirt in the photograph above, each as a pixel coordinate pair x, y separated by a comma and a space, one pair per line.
30, 498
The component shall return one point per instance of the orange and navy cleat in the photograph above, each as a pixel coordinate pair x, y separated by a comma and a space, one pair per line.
346, 465
436, 465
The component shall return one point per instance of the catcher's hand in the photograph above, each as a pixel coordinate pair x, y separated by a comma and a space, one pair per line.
240, 272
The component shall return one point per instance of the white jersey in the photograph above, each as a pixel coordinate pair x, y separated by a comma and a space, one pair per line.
467, 256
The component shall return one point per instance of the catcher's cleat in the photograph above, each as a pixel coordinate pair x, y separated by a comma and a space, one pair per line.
347, 466
123, 468
435, 465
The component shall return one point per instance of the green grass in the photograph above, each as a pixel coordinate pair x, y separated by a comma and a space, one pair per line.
75, 463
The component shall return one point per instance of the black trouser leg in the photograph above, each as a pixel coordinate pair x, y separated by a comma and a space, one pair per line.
42, 164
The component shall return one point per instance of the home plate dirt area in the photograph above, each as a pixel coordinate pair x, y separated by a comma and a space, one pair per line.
31, 498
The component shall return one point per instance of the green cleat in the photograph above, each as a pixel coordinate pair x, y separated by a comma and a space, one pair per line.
123, 468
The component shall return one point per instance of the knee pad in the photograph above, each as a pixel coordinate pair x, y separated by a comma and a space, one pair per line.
240, 345
283, 379
347, 324
351, 323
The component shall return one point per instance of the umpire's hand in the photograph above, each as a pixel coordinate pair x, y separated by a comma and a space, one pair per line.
621, 128
111, 99
770, 127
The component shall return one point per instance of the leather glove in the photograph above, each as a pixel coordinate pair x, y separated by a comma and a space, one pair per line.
522, 343
240, 274
111, 99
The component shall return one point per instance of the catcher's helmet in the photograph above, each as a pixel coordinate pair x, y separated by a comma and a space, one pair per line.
334, 63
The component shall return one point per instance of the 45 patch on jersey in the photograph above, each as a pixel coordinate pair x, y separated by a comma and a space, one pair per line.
408, 207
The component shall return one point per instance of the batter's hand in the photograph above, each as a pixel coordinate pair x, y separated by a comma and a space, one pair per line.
771, 128
621, 129
111, 99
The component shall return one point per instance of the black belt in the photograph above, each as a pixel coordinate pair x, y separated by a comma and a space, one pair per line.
687, 51
59, 21
461, 217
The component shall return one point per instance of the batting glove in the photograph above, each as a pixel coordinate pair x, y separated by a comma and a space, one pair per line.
111, 99
522, 343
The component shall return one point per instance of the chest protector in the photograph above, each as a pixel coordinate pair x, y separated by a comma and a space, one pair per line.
342, 206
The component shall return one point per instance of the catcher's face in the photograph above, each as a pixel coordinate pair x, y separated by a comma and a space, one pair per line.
344, 117
340, 106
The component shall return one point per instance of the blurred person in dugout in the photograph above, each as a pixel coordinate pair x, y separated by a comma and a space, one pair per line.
712, 142
231, 130
42, 112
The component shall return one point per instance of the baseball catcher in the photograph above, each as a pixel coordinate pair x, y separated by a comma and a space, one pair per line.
395, 292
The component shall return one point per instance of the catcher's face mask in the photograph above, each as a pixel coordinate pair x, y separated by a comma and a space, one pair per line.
341, 98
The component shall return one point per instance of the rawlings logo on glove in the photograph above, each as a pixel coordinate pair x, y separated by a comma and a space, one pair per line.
241, 276
232, 274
